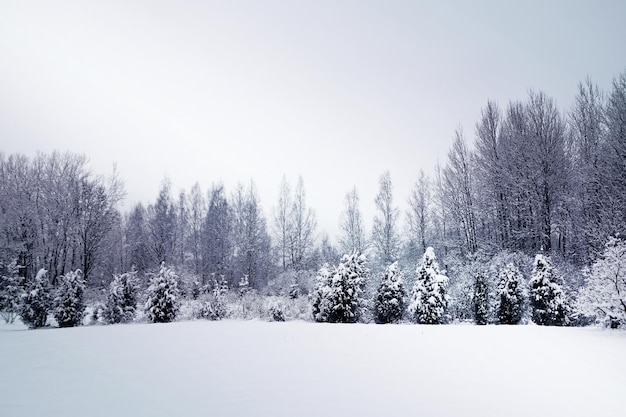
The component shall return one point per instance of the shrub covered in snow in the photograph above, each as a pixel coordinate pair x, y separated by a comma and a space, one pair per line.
214, 305
390, 296
121, 302
162, 301
11, 290
480, 298
603, 296
428, 298
36, 301
511, 295
69, 303
547, 298
320, 297
276, 311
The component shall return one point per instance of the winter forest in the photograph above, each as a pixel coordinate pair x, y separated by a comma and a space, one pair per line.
524, 222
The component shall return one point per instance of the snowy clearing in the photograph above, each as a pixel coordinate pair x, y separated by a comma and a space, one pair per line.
254, 368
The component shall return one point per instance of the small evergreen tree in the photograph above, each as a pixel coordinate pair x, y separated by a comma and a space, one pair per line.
511, 294
390, 296
604, 294
547, 298
320, 297
480, 299
346, 289
162, 302
429, 299
11, 290
69, 304
36, 301
122, 298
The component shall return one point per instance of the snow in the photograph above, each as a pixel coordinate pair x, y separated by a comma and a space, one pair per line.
245, 368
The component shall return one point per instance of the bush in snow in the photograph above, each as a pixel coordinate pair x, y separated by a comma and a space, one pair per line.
511, 295
547, 298
10, 293
122, 298
69, 304
36, 301
429, 299
162, 302
214, 307
96, 314
390, 296
276, 311
294, 289
480, 298
320, 297
604, 294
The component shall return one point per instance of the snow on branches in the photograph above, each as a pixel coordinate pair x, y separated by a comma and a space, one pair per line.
337, 297
69, 303
390, 296
547, 299
162, 302
429, 300
604, 294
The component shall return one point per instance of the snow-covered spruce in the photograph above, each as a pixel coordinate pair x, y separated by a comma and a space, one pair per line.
10, 292
320, 297
428, 298
36, 301
511, 295
547, 299
69, 303
390, 296
346, 289
604, 294
337, 297
121, 302
480, 298
162, 301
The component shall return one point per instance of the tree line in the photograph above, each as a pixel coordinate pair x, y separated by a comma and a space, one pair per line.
535, 180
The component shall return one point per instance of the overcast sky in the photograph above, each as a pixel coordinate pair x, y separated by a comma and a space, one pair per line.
335, 91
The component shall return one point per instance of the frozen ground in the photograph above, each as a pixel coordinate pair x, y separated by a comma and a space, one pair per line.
252, 368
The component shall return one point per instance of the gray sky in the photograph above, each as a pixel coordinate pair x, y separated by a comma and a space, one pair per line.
337, 91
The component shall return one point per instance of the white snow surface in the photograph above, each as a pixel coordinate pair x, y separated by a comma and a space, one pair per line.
254, 368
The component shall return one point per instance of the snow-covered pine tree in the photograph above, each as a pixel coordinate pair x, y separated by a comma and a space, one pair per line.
480, 299
511, 294
428, 298
346, 289
36, 301
11, 290
122, 298
604, 294
320, 297
390, 296
162, 302
69, 304
547, 299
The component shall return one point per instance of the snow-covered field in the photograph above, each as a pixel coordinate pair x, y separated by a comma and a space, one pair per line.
253, 368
